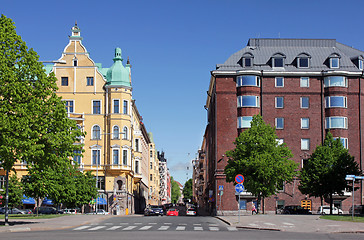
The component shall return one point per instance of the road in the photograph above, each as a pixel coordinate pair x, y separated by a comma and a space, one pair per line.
163, 227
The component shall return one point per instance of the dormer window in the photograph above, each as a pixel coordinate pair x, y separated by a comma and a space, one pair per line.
360, 64
334, 62
247, 60
278, 60
303, 62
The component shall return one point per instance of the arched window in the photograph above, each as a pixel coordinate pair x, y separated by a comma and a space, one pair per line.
96, 132
125, 133
115, 132
120, 184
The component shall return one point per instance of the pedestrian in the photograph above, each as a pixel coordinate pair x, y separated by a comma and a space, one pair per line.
254, 210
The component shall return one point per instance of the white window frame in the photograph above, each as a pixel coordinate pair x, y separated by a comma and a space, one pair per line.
328, 102
127, 157
244, 120
92, 80
303, 125
244, 61
277, 121
137, 166
308, 102
114, 134
113, 156
241, 101
280, 141
332, 61
93, 101
97, 159
302, 80
344, 141
239, 81
276, 106
113, 106
276, 59
328, 122
276, 81
299, 62
80, 156
304, 142
93, 134
327, 81
66, 101
125, 134
64, 78
360, 64
126, 104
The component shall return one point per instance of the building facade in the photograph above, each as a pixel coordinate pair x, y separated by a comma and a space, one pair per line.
302, 87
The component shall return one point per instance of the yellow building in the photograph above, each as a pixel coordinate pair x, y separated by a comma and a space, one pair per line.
116, 146
154, 177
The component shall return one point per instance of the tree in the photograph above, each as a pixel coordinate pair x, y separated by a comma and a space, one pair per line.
33, 121
175, 191
264, 162
187, 189
15, 192
324, 173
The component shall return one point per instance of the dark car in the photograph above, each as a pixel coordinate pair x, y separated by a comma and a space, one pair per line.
295, 209
46, 210
358, 209
12, 211
153, 211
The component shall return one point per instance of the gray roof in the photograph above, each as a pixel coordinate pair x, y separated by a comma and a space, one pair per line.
319, 51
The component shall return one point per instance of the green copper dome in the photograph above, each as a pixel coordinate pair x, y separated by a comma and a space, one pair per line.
118, 75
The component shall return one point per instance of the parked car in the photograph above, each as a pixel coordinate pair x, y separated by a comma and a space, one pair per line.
323, 210
191, 212
99, 212
153, 210
358, 209
45, 210
295, 209
13, 211
172, 212
70, 211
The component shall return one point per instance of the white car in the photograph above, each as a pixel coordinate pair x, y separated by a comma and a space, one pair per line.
191, 212
326, 210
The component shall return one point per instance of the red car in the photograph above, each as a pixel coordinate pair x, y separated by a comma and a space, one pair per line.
172, 212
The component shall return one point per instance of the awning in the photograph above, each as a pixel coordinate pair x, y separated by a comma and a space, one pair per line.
47, 202
27, 200
101, 201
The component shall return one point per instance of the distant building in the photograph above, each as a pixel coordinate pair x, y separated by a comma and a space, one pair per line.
302, 87
165, 184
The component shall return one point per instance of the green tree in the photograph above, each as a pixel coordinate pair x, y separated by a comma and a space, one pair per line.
324, 173
15, 192
187, 189
175, 191
258, 156
33, 122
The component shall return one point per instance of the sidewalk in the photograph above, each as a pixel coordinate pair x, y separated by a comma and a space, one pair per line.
58, 223
292, 223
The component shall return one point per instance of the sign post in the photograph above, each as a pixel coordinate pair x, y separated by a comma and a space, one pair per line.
221, 192
239, 188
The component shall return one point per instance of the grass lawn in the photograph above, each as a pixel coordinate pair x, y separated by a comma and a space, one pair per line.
343, 218
31, 216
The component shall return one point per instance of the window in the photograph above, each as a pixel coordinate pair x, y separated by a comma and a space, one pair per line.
344, 141
335, 101
305, 102
75, 62
279, 102
247, 80
151, 153
136, 166
137, 145
96, 154
305, 82
279, 141
248, 101
69, 106
304, 162
125, 133
305, 123
89, 81
64, 81
77, 156
305, 144
335, 81
116, 103
247, 62
125, 157
279, 82
303, 62
2, 182
96, 107
360, 64
151, 177
280, 186
125, 107
244, 122
115, 132
96, 132
334, 62
115, 156
101, 182
336, 122
279, 123
278, 62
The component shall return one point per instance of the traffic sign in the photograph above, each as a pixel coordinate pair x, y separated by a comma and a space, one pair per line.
239, 178
221, 187
239, 188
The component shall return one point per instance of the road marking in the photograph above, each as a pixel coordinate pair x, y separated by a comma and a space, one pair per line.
232, 229
269, 224
180, 228
152, 223
197, 224
214, 228
137, 223
167, 223
124, 223
80, 228
145, 228
163, 228
113, 228
96, 228
129, 228
198, 228
289, 224
109, 224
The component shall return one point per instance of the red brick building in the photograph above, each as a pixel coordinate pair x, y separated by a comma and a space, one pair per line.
303, 87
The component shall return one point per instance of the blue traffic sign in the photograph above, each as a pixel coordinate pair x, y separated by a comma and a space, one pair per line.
239, 188
221, 187
239, 178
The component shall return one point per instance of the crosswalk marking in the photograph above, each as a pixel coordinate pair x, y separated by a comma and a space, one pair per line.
113, 228
80, 228
163, 228
214, 228
232, 229
145, 228
180, 228
197, 228
129, 228
96, 228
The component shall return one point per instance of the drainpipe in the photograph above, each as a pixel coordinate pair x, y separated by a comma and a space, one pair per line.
322, 108
360, 139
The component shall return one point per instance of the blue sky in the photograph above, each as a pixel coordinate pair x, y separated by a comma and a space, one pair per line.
173, 45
